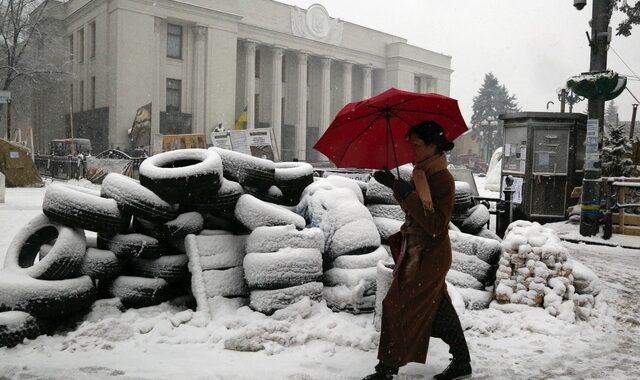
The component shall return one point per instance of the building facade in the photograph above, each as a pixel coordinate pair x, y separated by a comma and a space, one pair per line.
203, 62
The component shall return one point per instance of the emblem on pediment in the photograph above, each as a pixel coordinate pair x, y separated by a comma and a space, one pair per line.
314, 23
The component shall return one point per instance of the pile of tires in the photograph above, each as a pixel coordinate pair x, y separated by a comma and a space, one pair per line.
352, 247
282, 265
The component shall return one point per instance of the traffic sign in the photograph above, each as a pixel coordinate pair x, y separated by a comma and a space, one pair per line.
5, 96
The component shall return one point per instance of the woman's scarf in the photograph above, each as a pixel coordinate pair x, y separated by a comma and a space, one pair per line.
423, 170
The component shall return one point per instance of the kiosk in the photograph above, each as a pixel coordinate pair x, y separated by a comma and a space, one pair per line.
544, 153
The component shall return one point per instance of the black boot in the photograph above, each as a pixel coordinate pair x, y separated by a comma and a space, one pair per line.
383, 372
446, 326
456, 370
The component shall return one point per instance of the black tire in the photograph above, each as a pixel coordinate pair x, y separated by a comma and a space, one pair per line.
128, 246
285, 268
15, 326
222, 203
349, 299
352, 277
342, 242
366, 260
271, 195
139, 292
100, 264
247, 170
44, 298
179, 175
225, 282
137, 200
172, 268
478, 218
254, 213
183, 225
60, 262
292, 178
268, 301
82, 209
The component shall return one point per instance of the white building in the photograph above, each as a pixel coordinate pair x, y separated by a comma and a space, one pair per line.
201, 62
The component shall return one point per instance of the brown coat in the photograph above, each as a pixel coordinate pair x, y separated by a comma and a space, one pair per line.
419, 278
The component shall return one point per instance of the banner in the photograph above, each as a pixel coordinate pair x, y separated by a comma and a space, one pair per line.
183, 141
255, 142
140, 132
241, 123
98, 168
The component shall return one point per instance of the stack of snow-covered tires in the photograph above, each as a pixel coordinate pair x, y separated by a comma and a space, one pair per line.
476, 249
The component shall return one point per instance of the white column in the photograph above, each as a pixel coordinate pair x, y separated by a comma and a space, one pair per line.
276, 96
160, 82
346, 84
424, 85
301, 127
366, 82
431, 84
250, 77
200, 33
325, 95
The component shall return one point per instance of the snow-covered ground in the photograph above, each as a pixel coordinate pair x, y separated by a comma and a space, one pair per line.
308, 341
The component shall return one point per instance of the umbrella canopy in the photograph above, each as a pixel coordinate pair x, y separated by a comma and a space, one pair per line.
370, 134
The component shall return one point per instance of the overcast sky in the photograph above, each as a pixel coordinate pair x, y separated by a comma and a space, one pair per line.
531, 46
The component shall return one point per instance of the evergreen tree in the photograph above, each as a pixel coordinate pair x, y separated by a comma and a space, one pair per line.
611, 114
492, 100
631, 11
615, 161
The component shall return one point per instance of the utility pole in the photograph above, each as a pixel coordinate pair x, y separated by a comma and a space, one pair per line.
599, 41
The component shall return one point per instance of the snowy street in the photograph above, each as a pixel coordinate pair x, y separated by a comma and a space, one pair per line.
309, 341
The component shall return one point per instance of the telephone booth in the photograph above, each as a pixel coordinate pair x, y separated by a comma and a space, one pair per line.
544, 153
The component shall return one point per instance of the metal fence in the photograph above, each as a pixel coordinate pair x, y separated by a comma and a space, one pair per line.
60, 167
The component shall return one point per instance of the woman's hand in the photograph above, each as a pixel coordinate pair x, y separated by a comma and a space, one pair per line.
385, 177
401, 189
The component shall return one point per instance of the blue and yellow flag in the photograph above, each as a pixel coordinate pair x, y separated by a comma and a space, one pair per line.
241, 123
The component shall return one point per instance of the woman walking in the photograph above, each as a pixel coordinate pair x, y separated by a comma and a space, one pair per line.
417, 305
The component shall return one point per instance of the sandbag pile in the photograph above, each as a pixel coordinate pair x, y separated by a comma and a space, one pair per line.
535, 270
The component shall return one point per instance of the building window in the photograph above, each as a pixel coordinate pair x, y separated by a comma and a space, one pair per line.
174, 41
92, 48
81, 46
93, 93
174, 95
257, 63
284, 68
256, 114
81, 97
416, 84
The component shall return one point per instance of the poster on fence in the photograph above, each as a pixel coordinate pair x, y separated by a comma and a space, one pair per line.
98, 168
255, 142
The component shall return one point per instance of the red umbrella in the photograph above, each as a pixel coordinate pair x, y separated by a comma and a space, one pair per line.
371, 133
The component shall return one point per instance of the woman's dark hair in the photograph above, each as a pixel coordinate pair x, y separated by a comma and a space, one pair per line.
431, 133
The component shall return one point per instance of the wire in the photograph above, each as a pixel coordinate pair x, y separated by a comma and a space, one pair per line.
618, 55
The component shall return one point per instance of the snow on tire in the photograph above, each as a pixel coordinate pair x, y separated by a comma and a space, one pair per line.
15, 326
478, 218
222, 203
488, 250
83, 209
174, 231
178, 175
475, 299
386, 227
135, 199
284, 268
343, 242
128, 246
387, 211
254, 213
367, 260
291, 178
45, 298
172, 268
62, 260
100, 264
247, 170
472, 265
365, 277
271, 195
274, 238
220, 251
350, 299
463, 280
139, 291
226, 282
268, 301
384, 277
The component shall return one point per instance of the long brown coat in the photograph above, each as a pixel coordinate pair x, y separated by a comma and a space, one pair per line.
418, 283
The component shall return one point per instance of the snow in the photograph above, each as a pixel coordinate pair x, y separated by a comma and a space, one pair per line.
254, 213
272, 238
216, 251
287, 171
366, 260
71, 198
386, 211
287, 266
387, 226
208, 162
308, 341
121, 187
